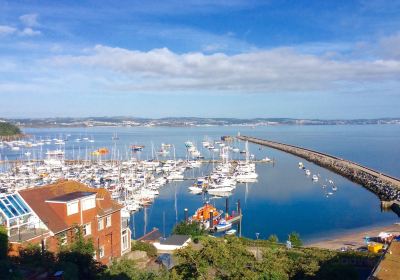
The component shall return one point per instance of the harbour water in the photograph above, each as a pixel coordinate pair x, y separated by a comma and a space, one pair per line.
283, 200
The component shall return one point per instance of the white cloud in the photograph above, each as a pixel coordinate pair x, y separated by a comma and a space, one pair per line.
27, 31
390, 46
275, 70
29, 20
7, 30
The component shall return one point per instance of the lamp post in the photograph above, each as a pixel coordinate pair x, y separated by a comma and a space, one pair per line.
257, 235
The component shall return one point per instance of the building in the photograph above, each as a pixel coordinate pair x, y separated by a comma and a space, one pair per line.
151, 237
173, 242
49, 216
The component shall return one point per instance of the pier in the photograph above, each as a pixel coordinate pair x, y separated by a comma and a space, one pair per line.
386, 187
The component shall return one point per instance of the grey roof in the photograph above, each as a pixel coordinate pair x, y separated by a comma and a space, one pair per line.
166, 260
71, 196
175, 239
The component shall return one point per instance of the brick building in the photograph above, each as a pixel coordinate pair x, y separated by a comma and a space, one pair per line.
49, 215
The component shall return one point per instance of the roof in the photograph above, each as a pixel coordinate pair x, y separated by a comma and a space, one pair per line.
175, 239
13, 206
71, 196
166, 260
36, 199
155, 234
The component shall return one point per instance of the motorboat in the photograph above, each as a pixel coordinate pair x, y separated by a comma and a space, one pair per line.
222, 225
230, 232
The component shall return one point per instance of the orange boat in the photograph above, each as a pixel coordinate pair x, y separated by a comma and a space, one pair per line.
203, 214
100, 152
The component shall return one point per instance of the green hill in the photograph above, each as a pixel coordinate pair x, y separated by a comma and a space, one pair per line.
8, 129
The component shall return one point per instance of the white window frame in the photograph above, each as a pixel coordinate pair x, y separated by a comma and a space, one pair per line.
88, 203
87, 226
100, 224
72, 208
124, 235
108, 221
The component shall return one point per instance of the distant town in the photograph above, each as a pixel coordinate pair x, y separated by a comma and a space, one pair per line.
186, 122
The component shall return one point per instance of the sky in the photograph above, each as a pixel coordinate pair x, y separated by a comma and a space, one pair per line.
231, 58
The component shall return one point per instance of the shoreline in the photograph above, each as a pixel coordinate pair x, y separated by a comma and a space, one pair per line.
353, 238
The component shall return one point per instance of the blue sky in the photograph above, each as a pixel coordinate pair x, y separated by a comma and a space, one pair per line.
237, 58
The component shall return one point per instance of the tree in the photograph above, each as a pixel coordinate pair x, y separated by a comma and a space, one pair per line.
273, 238
125, 269
78, 257
294, 238
3, 243
194, 229
7, 129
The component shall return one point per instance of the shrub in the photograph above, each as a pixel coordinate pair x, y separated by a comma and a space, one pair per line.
193, 229
146, 247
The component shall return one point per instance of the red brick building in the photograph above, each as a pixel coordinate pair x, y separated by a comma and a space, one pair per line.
56, 210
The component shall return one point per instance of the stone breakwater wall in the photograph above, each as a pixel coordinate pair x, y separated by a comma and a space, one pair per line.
386, 187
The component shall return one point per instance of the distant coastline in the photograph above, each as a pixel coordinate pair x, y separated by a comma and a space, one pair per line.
185, 122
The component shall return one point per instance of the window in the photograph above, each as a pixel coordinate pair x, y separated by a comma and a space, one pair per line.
87, 229
125, 240
108, 221
72, 208
88, 203
101, 252
100, 224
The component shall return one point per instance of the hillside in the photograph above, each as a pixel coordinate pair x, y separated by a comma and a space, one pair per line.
8, 129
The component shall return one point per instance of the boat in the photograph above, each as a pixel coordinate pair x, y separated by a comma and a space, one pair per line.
308, 172
203, 214
115, 137
301, 165
195, 190
137, 148
217, 190
315, 178
230, 232
266, 159
222, 225
55, 152
188, 144
334, 188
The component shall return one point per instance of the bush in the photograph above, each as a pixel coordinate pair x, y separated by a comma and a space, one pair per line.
273, 238
146, 247
193, 229
294, 238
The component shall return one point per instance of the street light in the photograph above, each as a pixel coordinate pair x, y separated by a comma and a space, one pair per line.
257, 235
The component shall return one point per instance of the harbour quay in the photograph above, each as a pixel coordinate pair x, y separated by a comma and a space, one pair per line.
386, 187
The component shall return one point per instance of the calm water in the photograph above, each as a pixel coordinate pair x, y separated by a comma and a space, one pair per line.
283, 199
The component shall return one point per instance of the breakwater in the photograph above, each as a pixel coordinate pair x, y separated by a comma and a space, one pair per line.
386, 187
